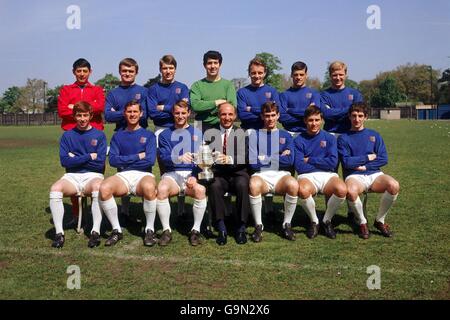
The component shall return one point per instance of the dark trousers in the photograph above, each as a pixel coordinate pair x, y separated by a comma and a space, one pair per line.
236, 184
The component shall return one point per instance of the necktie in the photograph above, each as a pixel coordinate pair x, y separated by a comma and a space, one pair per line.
224, 150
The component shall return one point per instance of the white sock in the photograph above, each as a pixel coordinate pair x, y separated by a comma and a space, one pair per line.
333, 205
198, 209
290, 204
57, 209
109, 207
256, 206
163, 209
150, 214
309, 205
357, 208
386, 202
96, 213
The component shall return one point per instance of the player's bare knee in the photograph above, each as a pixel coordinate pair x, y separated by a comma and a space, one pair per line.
255, 187
162, 191
341, 190
56, 187
303, 191
393, 187
292, 187
105, 191
200, 192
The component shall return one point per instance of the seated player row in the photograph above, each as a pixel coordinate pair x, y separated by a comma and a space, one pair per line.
270, 153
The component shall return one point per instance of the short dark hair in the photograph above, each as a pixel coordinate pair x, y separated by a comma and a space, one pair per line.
132, 103
168, 59
211, 54
182, 104
269, 106
312, 109
299, 65
81, 63
359, 107
81, 106
129, 62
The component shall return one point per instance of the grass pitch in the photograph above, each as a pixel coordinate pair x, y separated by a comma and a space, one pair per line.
414, 264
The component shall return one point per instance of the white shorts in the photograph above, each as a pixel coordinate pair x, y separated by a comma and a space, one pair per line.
158, 130
271, 177
80, 180
365, 179
180, 178
318, 179
131, 179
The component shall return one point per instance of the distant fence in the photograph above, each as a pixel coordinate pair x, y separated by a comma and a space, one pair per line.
51, 118
26, 119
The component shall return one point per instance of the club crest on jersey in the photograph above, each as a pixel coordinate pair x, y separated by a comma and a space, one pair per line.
143, 140
308, 95
178, 90
137, 96
94, 142
372, 138
268, 95
323, 143
194, 137
350, 97
282, 140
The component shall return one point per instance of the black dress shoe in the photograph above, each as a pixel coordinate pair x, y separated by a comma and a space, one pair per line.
241, 238
222, 238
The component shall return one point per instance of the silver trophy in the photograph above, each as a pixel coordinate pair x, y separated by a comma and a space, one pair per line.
205, 158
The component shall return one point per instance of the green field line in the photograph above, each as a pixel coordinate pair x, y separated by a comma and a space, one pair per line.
231, 262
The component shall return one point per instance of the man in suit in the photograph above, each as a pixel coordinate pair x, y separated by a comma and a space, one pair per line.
230, 172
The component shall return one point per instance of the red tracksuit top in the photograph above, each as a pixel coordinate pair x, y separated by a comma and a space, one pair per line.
71, 94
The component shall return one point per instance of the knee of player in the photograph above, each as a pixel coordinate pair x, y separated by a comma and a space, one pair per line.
393, 187
105, 191
149, 189
162, 191
56, 187
341, 190
292, 187
200, 192
304, 191
255, 187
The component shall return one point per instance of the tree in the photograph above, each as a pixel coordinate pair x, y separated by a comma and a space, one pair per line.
387, 94
418, 82
9, 98
443, 86
152, 81
52, 99
273, 64
108, 82
31, 97
314, 83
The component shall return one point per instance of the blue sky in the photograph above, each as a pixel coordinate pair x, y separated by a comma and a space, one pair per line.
35, 42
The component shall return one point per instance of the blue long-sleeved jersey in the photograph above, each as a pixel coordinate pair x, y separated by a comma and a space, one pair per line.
254, 98
294, 102
266, 148
176, 142
335, 105
320, 149
81, 144
354, 148
118, 98
167, 95
125, 147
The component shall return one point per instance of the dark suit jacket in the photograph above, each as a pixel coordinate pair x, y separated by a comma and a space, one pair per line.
237, 148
